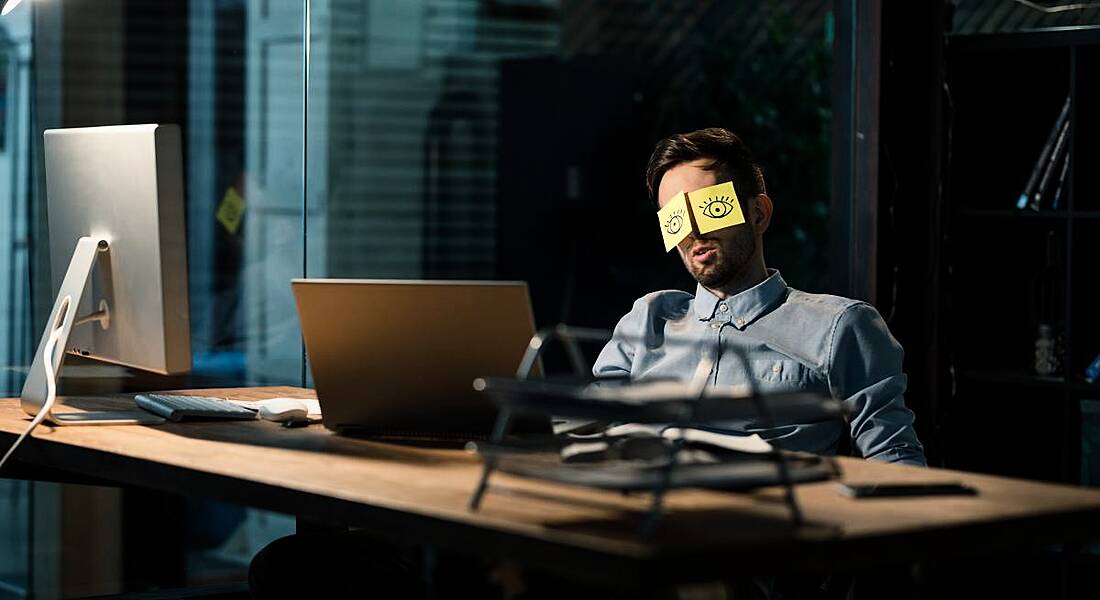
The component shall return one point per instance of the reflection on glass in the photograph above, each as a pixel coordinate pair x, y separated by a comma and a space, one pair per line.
507, 138
230, 74
272, 176
15, 54
500, 139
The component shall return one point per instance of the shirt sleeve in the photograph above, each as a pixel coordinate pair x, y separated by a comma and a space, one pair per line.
865, 371
617, 356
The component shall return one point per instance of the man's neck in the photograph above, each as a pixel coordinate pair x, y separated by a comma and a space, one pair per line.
749, 276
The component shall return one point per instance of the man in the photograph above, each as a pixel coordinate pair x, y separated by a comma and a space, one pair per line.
792, 340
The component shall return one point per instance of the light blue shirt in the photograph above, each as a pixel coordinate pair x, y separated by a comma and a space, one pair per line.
793, 341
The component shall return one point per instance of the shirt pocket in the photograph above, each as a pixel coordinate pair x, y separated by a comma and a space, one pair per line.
782, 375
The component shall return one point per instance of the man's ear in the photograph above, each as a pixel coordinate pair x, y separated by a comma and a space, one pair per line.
761, 213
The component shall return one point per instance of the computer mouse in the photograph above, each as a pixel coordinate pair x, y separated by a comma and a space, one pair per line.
283, 409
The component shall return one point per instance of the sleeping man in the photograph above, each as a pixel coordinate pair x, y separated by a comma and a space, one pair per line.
714, 210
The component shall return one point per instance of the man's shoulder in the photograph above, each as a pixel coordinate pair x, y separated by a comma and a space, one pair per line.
806, 325
829, 314
664, 302
660, 305
817, 316
651, 310
827, 307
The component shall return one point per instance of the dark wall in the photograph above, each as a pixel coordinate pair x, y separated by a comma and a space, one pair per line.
573, 216
910, 206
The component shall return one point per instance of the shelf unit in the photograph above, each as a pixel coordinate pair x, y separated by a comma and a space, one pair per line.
1012, 269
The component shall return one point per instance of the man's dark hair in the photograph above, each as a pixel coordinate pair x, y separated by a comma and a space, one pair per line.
730, 158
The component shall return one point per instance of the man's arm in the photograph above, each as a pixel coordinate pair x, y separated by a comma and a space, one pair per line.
865, 364
617, 356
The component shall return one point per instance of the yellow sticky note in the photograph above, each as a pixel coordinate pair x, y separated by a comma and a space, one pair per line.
675, 221
715, 207
231, 211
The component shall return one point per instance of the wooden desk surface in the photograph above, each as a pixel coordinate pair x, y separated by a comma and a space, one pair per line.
421, 494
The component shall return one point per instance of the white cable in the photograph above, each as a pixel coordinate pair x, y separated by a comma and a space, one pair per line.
51, 392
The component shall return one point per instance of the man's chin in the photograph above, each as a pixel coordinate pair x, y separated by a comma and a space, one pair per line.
711, 278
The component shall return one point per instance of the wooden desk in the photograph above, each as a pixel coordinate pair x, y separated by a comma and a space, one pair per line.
421, 494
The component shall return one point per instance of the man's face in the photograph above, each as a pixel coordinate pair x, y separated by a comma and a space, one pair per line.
713, 258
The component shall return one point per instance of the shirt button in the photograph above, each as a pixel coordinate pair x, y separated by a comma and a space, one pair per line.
724, 308
740, 322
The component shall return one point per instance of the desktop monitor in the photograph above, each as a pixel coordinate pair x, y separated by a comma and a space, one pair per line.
118, 254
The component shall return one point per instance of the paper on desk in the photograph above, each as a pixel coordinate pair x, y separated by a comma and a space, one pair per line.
313, 407
739, 443
660, 391
579, 448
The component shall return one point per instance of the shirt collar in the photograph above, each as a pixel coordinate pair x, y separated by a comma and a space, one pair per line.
744, 307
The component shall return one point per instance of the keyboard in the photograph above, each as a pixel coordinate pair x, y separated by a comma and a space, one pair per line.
176, 408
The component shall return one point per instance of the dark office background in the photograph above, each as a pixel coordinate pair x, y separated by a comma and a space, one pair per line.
507, 139
501, 139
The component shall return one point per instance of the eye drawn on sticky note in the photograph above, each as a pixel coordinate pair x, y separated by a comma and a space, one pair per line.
675, 220
715, 207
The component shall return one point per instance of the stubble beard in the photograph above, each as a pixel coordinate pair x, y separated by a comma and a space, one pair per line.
733, 255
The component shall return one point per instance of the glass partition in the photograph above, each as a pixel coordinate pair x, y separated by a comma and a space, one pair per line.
507, 139
474, 139
16, 58
230, 73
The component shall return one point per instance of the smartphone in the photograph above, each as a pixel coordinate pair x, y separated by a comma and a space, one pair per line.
896, 490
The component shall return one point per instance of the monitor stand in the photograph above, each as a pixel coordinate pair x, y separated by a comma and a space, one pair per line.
36, 391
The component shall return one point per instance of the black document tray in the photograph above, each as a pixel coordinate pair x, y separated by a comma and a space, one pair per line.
659, 402
629, 476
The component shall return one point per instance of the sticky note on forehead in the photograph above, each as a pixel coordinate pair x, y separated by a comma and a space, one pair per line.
675, 221
715, 207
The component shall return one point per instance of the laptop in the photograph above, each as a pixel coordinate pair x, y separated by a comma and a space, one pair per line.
396, 359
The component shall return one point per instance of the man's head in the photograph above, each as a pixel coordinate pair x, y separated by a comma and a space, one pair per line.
726, 258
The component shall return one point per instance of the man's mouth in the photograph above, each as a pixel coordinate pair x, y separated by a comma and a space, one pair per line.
704, 253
